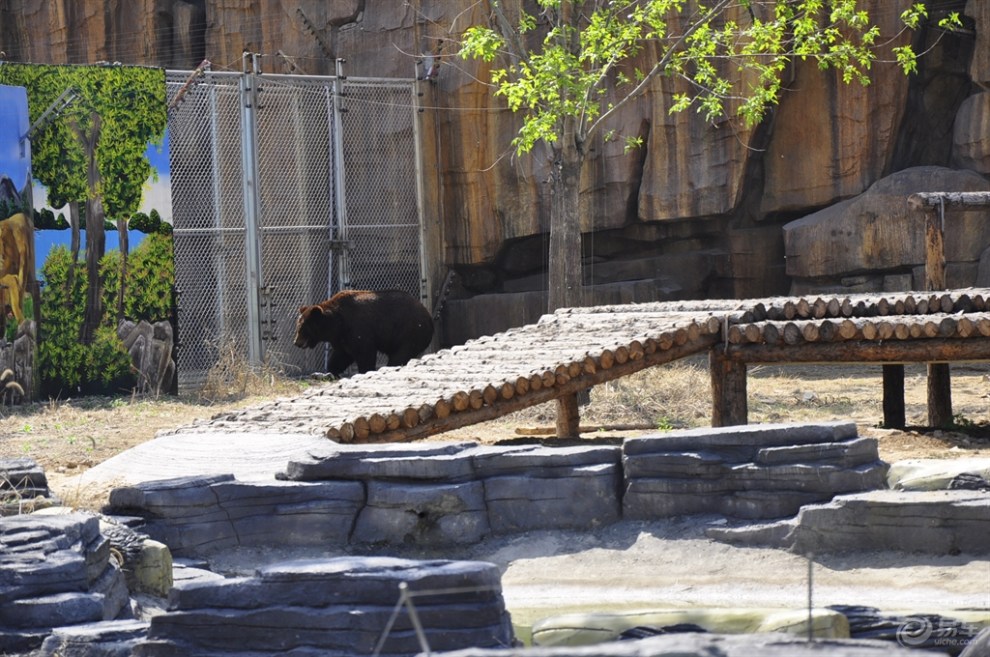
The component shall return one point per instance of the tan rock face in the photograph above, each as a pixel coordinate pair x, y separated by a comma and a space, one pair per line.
971, 134
876, 231
709, 186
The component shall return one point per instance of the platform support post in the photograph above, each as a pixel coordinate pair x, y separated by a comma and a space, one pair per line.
729, 403
939, 378
893, 397
939, 396
568, 416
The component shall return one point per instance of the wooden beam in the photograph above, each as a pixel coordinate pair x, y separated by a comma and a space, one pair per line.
861, 351
893, 397
948, 199
934, 250
939, 377
729, 399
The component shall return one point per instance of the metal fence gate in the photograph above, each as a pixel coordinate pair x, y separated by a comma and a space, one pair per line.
286, 189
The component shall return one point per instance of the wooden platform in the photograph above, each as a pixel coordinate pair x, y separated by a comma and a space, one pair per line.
577, 348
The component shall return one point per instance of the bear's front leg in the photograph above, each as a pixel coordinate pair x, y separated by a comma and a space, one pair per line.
339, 361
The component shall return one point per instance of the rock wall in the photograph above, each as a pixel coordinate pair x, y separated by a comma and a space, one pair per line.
696, 212
442, 494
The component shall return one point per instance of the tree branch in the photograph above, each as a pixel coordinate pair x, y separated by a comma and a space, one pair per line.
660, 66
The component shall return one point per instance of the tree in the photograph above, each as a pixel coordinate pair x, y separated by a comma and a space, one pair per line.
570, 67
93, 151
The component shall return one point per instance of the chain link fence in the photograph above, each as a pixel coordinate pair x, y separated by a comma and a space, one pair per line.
339, 208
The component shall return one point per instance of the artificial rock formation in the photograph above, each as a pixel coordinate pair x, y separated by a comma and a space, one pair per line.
335, 606
753, 471
875, 242
55, 570
442, 494
23, 487
934, 522
150, 348
713, 195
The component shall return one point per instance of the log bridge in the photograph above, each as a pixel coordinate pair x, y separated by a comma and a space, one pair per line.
574, 349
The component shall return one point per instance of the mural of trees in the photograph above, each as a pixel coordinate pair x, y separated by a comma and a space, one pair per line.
89, 151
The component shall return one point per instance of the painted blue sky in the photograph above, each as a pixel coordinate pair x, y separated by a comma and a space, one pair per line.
157, 195
13, 124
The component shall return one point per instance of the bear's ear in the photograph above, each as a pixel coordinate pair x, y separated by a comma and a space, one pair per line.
303, 309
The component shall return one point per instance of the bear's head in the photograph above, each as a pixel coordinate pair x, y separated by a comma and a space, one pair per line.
309, 327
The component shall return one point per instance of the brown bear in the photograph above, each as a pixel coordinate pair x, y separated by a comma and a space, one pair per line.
360, 323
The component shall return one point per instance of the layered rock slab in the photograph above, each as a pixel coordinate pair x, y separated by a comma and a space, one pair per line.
54, 571
934, 522
752, 471
343, 606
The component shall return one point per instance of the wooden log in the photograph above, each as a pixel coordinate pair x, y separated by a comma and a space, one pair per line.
827, 330
947, 327
770, 333
461, 401
792, 333
810, 332
847, 329
753, 333
737, 334
910, 305
939, 396
376, 423
568, 416
893, 397
729, 398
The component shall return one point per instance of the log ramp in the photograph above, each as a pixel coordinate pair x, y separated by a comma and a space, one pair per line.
574, 349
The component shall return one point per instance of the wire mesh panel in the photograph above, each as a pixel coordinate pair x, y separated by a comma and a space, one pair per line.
207, 212
382, 230
322, 228
295, 153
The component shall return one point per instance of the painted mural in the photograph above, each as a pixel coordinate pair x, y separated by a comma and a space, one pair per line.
97, 146
17, 279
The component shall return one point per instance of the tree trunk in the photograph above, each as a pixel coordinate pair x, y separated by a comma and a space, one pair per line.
95, 239
70, 281
564, 275
124, 248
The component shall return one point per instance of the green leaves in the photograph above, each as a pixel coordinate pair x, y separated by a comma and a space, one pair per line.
731, 54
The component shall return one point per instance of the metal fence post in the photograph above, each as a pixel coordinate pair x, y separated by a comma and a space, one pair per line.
252, 205
340, 196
